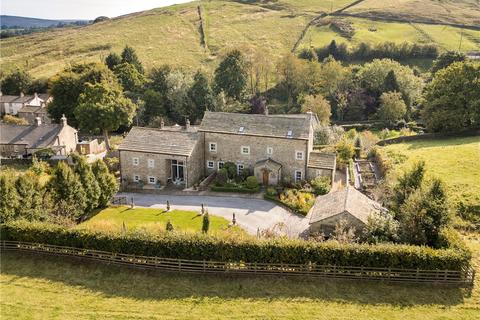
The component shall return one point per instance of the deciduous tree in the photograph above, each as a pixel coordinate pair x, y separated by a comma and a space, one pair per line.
392, 107
16, 82
231, 75
319, 106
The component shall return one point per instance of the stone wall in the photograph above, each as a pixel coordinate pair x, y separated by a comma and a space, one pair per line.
327, 226
229, 150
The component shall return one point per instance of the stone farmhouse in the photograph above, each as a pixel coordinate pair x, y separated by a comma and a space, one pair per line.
24, 140
348, 204
27, 107
272, 147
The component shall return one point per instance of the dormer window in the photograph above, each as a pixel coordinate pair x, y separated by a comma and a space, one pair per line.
241, 130
289, 134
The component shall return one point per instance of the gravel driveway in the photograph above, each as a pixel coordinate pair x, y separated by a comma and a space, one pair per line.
250, 214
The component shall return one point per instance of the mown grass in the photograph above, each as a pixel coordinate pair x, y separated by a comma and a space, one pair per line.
113, 219
42, 287
454, 160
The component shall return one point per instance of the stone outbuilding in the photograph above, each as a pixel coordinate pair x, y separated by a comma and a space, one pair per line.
349, 204
321, 164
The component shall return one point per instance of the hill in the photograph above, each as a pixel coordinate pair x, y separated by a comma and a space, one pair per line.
173, 34
24, 22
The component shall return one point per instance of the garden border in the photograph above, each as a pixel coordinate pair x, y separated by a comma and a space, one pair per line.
464, 278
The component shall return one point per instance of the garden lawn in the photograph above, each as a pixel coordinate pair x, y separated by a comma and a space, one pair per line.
153, 219
42, 287
456, 161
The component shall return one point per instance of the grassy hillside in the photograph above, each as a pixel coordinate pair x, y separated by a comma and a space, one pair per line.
42, 287
172, 34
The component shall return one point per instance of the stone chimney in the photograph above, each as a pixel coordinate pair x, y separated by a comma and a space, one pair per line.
1, 93
162, 123
38, 121
63, 121
187, 125
22, 94
266, 110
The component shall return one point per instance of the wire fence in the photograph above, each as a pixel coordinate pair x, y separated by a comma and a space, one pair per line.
452, 277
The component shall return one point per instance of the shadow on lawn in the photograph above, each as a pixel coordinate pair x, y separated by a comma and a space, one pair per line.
116, 281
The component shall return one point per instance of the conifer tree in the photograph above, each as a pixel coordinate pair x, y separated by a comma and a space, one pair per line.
205, 222
106, 181
8, 198
130, 56
89, 183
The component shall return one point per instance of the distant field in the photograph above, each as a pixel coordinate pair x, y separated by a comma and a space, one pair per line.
456, 161
171, 35
465, 12
41, 287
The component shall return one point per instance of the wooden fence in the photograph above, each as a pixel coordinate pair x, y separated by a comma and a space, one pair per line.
458, 278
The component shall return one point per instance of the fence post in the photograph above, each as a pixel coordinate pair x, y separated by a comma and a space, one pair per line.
179, 265
204, 266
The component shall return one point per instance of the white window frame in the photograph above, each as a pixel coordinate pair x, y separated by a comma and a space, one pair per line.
214, 145
245, 147
151, 163
301, 175
135, 161
212, 166
299, 152
136, 178
154, 180
220, 164
240, 168
269, 151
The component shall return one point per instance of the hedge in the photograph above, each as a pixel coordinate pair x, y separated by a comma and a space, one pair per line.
205, 247
234, 189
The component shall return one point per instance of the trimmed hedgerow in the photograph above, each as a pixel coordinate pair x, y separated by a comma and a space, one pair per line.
239, 189
205, 247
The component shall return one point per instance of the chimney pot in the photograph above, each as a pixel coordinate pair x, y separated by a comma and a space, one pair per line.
266, 110
38, 121
63, 120
162, 123
22, 94
187, 125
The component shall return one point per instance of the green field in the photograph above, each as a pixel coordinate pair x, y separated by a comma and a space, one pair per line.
151, 219
39, 287
456, 161
171, 35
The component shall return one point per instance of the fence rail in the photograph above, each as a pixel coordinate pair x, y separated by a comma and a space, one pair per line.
452, 277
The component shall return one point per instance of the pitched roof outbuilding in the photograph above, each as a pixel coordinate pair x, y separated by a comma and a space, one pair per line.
171, 140
294, 126
322, 160
348, 200
33, 136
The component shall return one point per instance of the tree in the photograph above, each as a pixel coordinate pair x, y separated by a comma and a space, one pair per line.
102, 107
158, 79
67, 86
153, 106
319, 106
452, 99
113, 60
381, 227
129, 77
201, 95
169, 226
9, 200
130, 56
258, 105
16, 82
291, 80
407, 184
391, 83
106, 181
392, 107
89, 183
446, 59
67, 192
345, 151
14, 120
231, 75
205, 222
343, 233
30, 192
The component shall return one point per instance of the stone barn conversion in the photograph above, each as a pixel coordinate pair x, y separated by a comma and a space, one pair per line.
349, 204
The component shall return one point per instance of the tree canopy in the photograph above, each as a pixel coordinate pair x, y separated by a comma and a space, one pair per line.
16, 82
231, 75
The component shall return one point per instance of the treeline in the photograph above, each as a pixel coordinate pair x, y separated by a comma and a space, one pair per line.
367, 52
58, 195
13, 31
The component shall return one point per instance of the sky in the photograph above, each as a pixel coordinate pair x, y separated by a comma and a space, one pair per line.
78, 9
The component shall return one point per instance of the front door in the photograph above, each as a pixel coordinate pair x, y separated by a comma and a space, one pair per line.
265, 177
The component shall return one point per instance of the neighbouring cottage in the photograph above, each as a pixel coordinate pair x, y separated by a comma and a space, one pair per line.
27, 107
349, 204
274, 148
25, 140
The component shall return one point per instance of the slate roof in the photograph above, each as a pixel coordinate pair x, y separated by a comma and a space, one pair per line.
350, 200
170, 140
23, 99
322, 160
31, 109
32, 136
7, 99
299, 125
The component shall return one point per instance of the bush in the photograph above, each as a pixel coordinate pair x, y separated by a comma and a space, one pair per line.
204, 247
298, 201
321, 185
251, 182
231, 169
271, 192
221, 177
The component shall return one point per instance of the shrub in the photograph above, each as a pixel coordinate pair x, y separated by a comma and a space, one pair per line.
298, 201
205, 223
231, 169
251, 182
345, 151
271, 192
321, 185
14, 120
212, 248
234, 188
221, 177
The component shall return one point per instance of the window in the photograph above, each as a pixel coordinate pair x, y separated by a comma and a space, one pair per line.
212, 147
241, 130
178, 171
151, 163
152, 180
298, 175
210, 164
135, 161
269, 151
136, 178
240, 168
289, 134
220, 165
245, 150
299, 155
